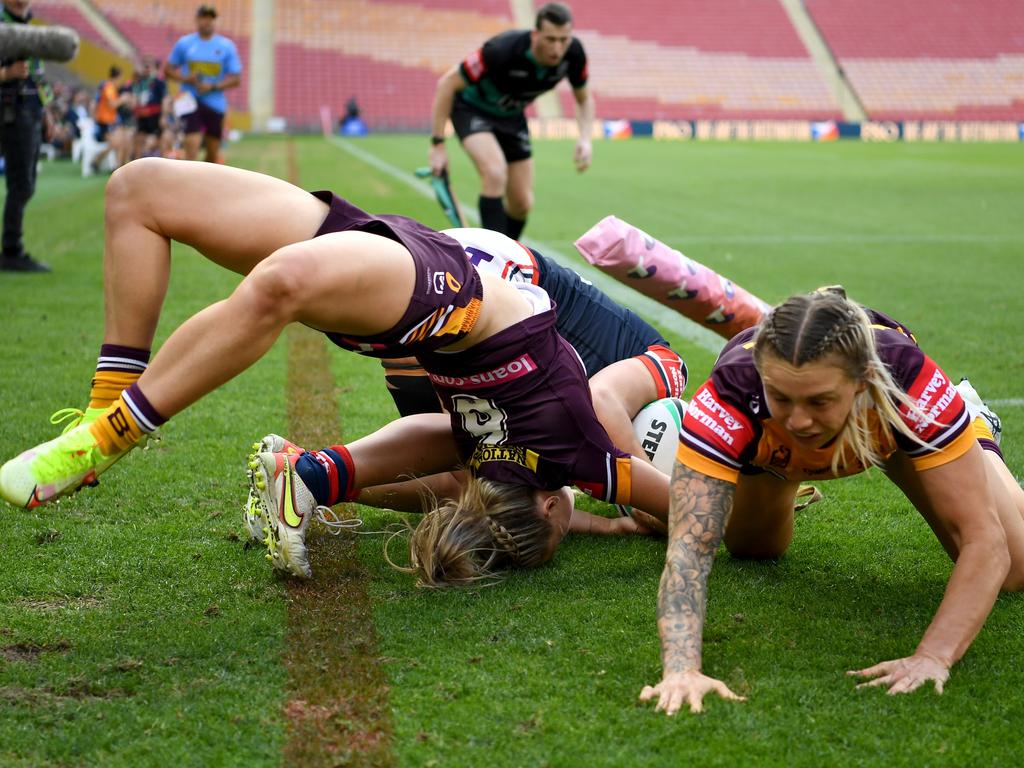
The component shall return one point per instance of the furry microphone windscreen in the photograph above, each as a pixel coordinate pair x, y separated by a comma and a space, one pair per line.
23, 41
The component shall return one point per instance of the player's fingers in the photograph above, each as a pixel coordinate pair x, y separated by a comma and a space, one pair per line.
648, 692
884, 680
726, 693
939, 686
877, 669
664, 702
696, 702
906, 684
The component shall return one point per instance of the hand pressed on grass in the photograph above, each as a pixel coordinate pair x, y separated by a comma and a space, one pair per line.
690, 687
906, 674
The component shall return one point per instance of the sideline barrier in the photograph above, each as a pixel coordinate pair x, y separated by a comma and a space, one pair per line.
787, 130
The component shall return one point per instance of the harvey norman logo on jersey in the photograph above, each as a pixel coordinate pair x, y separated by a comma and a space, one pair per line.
713, 422
509, 371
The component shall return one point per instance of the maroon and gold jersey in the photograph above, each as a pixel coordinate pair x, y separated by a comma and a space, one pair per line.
728, 429
445, 302
520, 411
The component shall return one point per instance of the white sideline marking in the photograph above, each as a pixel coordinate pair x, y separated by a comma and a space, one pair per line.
623, 294
1007, 402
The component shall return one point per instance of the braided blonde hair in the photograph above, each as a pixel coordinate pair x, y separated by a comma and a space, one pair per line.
491, 527
809, 327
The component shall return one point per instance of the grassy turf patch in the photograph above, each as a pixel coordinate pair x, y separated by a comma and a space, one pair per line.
136, 628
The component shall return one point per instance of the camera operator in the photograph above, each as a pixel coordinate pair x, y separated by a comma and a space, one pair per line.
22, 95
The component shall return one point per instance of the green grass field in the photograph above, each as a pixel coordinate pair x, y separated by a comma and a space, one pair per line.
137, 629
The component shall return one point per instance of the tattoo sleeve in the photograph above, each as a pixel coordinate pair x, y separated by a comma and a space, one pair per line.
699, 508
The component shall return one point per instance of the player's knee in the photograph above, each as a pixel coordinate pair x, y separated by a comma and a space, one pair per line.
493, 178
758, 545
756, 551
520, 201
127, 185
278, 286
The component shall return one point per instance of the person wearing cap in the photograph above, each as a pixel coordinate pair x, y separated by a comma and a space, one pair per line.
206, 64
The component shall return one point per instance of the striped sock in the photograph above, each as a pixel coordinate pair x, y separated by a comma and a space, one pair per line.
329, 474
125, 421
117, 368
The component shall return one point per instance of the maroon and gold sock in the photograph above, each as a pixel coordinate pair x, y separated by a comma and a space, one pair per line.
117, 368
125, 421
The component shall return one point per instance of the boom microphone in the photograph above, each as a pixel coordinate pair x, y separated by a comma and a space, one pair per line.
24, 41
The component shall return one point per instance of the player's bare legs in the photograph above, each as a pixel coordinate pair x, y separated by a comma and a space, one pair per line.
350, 282
191, 144
233, 217
761, 523
211, 145
485, 152
519, 194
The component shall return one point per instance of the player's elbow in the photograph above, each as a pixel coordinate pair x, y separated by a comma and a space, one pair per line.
990, 549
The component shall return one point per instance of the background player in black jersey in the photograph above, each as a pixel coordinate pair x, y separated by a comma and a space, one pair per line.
486, 95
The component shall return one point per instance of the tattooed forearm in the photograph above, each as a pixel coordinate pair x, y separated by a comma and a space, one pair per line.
699, 509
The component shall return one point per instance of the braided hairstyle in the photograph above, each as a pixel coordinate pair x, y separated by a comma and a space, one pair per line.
808, 327
491, 527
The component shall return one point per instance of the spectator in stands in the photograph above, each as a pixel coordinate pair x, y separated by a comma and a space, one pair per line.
105, 115
148, 90
207, 64
486, 95
22, 96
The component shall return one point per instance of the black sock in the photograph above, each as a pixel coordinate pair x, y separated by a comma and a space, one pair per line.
492, 214
515, 227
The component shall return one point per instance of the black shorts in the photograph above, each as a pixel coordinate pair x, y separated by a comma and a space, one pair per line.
204, 120
512, 133
102, 129
150, 125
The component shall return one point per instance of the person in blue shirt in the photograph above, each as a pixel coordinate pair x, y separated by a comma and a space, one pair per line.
206, 64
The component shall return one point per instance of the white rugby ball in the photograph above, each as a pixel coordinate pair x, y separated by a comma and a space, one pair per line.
657, 428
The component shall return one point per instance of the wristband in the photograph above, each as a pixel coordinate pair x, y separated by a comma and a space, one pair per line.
435, 140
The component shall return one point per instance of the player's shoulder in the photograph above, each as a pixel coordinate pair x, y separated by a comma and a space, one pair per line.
735, 376
225, 41
510, 42
575, 49
186, 39
896, 346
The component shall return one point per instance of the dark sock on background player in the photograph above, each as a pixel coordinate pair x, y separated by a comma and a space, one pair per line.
515, 227
492, 214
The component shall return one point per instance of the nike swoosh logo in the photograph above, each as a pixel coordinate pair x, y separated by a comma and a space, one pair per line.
288, 500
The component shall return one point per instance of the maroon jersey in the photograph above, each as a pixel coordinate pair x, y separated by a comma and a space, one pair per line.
521, 412
728, 428
446, 300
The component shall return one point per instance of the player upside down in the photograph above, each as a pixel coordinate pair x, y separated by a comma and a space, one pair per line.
520, 411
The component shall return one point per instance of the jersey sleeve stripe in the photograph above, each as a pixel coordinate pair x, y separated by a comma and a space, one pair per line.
623, 481
700, 463
954, 450
710, 453
945, 437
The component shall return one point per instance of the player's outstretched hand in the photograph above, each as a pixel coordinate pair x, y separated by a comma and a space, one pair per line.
646, 524
686, 687
438, 158
905, 675
582, 155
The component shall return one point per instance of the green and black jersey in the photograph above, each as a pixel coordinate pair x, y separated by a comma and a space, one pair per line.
503, 77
